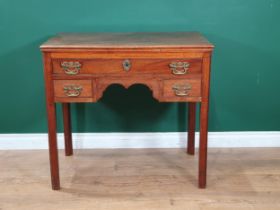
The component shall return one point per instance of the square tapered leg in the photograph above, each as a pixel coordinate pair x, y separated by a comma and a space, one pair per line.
54, 166
67, 129
191, 128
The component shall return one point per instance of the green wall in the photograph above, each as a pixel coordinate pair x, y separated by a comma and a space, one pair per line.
245, 72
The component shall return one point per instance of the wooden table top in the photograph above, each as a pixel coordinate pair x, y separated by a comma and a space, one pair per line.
128, 40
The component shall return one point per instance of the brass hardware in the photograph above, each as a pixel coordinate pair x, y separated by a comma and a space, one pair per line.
181, 89
126, 65
71, 67
179, 68
72, 90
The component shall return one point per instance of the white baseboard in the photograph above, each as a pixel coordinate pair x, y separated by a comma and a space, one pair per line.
141, 140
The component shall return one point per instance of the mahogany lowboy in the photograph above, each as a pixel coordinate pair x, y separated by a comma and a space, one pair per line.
174, 66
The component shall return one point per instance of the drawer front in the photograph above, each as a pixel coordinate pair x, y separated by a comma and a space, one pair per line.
73, 90
175, 67
180, 90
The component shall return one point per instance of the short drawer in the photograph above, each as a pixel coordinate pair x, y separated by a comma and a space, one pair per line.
176, 67
73, 90
181, 90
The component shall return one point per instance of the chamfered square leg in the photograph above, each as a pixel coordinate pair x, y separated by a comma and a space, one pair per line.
53, 152
191, 127
203, 144
67, 129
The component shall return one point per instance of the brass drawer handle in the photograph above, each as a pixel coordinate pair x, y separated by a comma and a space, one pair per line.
181, 89
179, 68
71, 67
72, 90
126, 64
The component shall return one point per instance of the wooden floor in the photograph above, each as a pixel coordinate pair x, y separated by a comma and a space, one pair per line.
145, 179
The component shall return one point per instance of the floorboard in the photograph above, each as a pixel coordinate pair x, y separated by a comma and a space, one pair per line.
150, 179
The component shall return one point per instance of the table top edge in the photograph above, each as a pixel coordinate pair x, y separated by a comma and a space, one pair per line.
117, 41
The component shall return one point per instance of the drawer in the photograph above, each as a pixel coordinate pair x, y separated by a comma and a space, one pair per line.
176, 67
73, 90
181, 90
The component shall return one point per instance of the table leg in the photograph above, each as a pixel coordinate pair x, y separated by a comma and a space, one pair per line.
53, 146
191, 128
67, 129
203, 143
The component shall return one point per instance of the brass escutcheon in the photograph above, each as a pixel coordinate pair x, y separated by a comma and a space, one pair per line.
181, 89
71, 67
126, 64
179, 68
72, 90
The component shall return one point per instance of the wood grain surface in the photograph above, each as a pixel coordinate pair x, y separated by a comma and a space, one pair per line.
150, 179
128, 40
138, 66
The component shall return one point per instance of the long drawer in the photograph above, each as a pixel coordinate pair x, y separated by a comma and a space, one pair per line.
175, 67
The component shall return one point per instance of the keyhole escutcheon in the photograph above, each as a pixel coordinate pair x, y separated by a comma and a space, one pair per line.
126, 65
